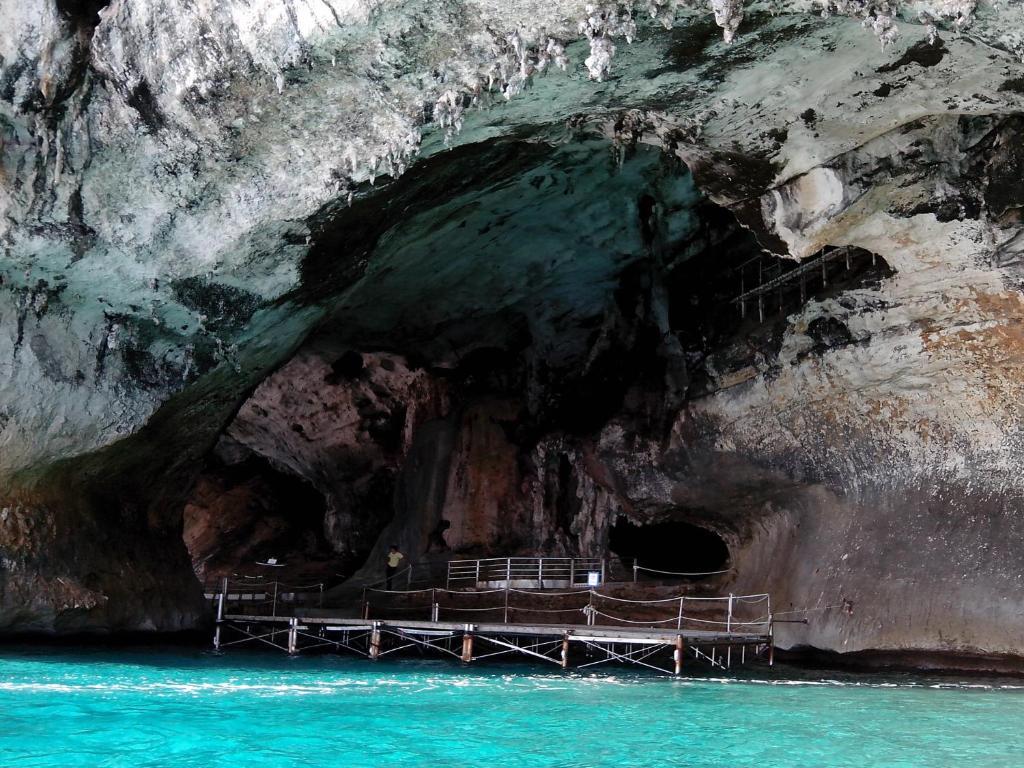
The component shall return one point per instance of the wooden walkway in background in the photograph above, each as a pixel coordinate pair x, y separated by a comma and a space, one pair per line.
662, 648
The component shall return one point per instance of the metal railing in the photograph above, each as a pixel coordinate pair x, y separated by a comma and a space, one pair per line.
537, 572
773, 277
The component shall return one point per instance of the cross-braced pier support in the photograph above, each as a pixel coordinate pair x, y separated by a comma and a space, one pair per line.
659, 650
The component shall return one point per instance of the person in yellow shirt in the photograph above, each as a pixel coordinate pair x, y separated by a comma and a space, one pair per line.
392, 561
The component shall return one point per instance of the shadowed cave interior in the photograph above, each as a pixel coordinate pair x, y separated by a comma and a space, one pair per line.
457, 389
673, 548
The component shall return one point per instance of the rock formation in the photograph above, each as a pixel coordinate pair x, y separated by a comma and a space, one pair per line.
465, 274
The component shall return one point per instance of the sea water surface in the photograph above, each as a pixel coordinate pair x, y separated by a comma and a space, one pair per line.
183, 708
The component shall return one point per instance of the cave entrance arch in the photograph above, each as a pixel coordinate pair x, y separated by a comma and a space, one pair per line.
673, 546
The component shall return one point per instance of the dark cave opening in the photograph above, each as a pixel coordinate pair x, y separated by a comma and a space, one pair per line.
241, 514
673, 547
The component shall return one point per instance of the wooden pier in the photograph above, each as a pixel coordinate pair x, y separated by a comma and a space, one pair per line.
662, 634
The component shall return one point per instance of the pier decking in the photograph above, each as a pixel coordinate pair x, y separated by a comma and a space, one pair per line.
594, 627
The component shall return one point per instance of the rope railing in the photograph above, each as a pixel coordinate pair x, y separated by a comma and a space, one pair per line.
546, 610
424, 572
587, 605
636, 602
686, 574
647, 622
273, 593
404, 573
445, 600
546, 593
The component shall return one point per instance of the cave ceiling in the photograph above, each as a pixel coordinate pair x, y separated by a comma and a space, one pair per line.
172, 176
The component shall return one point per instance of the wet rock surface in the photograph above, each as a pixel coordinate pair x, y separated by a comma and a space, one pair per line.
473, 303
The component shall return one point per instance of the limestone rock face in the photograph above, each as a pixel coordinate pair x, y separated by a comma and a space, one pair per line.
466, 270
345, 428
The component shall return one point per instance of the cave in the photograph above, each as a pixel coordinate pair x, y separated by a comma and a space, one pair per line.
429, 418
482, 286
668, 550
243, 512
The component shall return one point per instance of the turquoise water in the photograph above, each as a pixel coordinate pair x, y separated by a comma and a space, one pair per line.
182, 708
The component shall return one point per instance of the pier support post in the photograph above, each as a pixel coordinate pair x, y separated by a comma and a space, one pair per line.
220, 611
565, 651
293, 636
467, 644
679, 653
375, 641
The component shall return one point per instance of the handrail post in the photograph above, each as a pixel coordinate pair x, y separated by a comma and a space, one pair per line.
572, 571
728, 618
478, 572
223, 598
433, 604
635, 569
604, 563
321, 594
540, 572
506, 602
408, 581
274, 613
679, 623
508, 570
